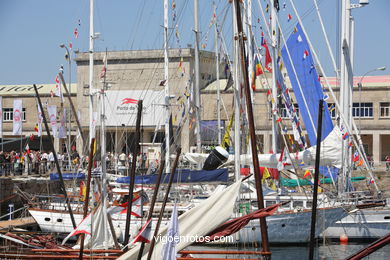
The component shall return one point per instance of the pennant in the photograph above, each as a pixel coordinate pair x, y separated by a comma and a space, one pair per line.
52, 113
83, 191
226, 137
172, 237
32, 137
83, 228
17, 117
355, 156
70, 45
267, 8
258, 68
360, 163
307, 174
144, 234
345, 136
279, 120
289, 17
40, 120
58, 92
305, 54
27, 148
94, 122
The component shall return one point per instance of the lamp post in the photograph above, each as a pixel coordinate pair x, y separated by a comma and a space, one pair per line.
70, 93
360, 96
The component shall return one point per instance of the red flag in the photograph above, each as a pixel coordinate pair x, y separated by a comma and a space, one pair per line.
289, 17
268, 59
305, 54
27, 149
32, 137
76, 33
307, 173
70, 45
234, 225
279, 120
144, 234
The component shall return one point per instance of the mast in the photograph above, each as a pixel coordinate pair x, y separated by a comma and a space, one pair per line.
166, 78
103, 157
237, 140
197, 87
91, 44
274, 53
316, 179
217, 74
255, 158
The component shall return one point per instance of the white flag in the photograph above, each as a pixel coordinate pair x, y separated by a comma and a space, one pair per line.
40, 120
1, 117
58, 92
62, 131
17, 115
169, 250
52, 112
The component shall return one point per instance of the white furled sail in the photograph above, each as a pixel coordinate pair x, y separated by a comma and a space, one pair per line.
198, 221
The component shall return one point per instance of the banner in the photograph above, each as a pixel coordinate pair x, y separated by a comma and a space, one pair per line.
1, 117
17, 117
52, 112
40, 120
94, 123
62, 131
123, 107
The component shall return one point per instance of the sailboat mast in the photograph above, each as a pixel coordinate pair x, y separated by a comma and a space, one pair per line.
237, 103
166, 78
91, 46
103, 155
255, 158
217, 75
196, 86
274, 53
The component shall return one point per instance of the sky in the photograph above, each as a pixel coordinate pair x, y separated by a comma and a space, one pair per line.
32, 30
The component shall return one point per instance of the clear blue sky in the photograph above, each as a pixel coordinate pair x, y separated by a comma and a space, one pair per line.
32, 30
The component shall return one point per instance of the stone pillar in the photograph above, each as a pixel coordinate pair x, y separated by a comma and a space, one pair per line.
376, 148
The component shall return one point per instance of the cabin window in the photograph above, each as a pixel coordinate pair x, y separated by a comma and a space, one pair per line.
8, 114
297, 203
47, 219
59, 220
387, 217
362, 110
286, 206
384, 109
309, 204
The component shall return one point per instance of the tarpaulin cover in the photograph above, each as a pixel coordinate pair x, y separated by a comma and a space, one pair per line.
67, 176
182, 176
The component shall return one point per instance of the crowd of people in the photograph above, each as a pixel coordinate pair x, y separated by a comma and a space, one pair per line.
43, 162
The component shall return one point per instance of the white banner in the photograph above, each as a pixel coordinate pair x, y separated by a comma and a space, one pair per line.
123, 107
94, 123
1, 117
17, 117
52, 112
40, 120
62, 131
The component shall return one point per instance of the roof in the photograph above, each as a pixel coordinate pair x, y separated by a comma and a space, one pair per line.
28, 90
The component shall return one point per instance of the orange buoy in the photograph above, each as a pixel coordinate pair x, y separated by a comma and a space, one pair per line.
343, 239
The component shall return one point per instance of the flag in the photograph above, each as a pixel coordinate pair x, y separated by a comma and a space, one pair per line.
83, 191
307, 174
58, 92
360, 163
305, 54
332, 108
268, 59
284, 159
345, 136
17, 117
104, 69
27, 148
40, 119
1, 117
62, 130
266, 174
32, 137
136, 208
70, 45
169, 250
267, 8
226, 137
258, 69
289, 17
83, 228
94, 122
355, 156
144, 234
52, 113
36, 128
76, 33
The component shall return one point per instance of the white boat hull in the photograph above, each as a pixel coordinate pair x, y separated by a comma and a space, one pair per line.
362, 224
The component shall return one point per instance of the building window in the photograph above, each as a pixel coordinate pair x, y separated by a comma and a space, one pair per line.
362, 110
332, 110
8, 114
283, 111
384, 109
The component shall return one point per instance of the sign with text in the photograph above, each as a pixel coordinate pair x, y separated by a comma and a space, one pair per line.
121, 109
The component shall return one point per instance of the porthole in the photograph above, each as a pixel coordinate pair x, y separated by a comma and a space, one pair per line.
59, 219
47, 219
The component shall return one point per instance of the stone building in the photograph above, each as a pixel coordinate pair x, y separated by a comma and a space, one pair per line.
27, 94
